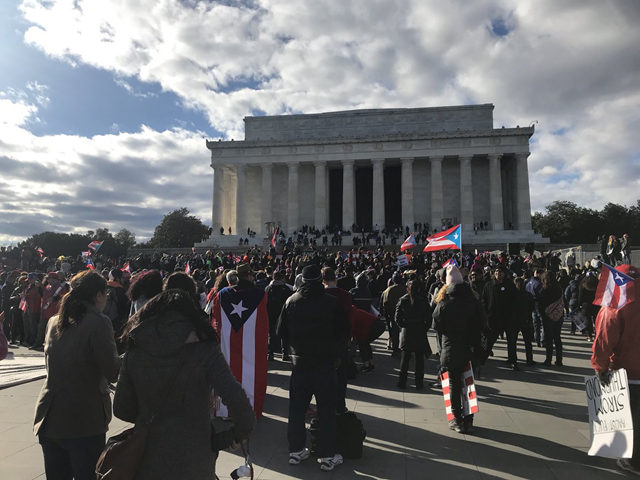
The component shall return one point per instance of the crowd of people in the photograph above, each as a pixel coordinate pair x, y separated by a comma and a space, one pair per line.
154, 334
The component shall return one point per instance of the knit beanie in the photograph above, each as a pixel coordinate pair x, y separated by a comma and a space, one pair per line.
453, 275
311, 273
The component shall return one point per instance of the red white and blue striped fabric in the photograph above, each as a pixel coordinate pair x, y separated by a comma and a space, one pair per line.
410, 242
451, 261
126, 268
240, 317
469, 396
95, 245
187, 269
615, 288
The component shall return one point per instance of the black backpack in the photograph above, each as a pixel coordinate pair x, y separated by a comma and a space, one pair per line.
350, 435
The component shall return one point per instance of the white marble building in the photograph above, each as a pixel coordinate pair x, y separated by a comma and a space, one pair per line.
375, 167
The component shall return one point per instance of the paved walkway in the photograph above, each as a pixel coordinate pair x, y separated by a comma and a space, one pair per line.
532, 425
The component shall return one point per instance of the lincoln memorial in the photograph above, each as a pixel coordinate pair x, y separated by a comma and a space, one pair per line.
382, 167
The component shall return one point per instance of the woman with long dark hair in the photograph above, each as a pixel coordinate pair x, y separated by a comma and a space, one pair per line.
172, 363
144, 287
73, 410
550, 294
413, 316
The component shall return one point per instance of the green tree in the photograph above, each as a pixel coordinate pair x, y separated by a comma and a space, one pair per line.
125, 238
566, 222
179, 229
55, 244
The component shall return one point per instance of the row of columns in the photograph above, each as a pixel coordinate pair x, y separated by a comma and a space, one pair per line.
348, 193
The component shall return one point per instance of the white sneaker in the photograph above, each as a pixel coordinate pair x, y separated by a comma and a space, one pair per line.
296, 457
627, 467
329, 463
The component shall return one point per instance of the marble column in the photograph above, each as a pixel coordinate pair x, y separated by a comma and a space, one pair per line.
495, 192
348, 194
406, 186
437, 201
321, 195
466, 193
378, 217
216, 213
241, 202
293, 207
524, 198
267, 197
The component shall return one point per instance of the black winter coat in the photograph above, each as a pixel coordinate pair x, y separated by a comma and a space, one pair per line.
458, 319
499, 303
316, 327
414, 320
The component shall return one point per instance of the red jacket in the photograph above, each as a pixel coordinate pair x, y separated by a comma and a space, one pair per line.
361, 322
49, 304
34, 298
617, 343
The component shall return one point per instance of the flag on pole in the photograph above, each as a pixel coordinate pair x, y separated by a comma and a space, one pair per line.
85, 254
469, 396
451, 261
450, 239
187, 269
408, 243
126, 268
90, 264
615, 288
95, 246
274, 239
40, 251
240, 317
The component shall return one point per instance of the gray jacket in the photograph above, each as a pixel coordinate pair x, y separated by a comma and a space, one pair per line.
164, 356
74, 401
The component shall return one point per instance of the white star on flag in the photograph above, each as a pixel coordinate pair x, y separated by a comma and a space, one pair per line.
455, 236
238, 309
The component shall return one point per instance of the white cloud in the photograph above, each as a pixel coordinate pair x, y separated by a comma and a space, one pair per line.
572, 65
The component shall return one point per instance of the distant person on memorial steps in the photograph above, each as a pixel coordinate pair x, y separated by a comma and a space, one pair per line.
313, 323
73, 410
617, 345
172, 363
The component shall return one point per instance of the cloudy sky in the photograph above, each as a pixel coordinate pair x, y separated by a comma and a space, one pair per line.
104, 106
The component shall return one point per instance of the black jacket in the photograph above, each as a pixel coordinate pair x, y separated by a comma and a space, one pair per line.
571, 294
277, 294
499, 303
316, 327
361, 295
458, 319
414, 320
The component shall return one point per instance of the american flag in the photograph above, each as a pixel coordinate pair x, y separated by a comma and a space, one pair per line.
410, 242
95, 245
240, 317
615, 288
187, 269
469, 396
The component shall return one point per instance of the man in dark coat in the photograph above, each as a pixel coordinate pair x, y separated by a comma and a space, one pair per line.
313, 322
277, 294
498, 298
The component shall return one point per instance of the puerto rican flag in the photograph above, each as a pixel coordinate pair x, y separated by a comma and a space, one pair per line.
469, 395
274, 239
126, 268
85, 254
90, 264
409, 243
240, 317
450, 239
615, 288
23, 305
451, 261
95, 246
187, 269
40, 251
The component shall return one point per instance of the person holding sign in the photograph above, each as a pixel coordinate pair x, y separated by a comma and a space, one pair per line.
617, 346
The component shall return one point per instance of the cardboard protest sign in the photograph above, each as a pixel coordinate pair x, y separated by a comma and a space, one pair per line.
402, 261
469, 396
610, 416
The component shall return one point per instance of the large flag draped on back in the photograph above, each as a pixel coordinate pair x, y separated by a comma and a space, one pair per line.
615, 288
240, 317
408, 243
450, 239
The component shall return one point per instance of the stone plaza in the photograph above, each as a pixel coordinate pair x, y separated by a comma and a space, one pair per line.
374, 169
532, 424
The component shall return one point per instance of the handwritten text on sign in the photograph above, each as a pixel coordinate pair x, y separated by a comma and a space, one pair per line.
610, 416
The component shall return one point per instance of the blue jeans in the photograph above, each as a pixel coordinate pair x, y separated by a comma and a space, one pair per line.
74, 458
304, 385
538, 328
